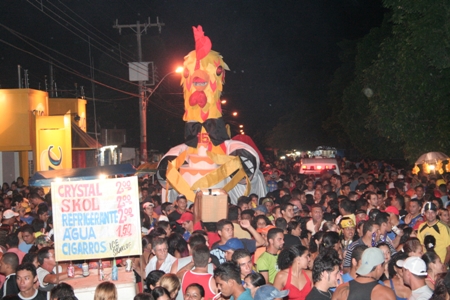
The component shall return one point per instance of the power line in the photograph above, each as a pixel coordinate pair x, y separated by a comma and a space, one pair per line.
23, 37
81, 18
75, 33
68, 70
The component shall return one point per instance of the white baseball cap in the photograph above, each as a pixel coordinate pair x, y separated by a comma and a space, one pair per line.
415, 265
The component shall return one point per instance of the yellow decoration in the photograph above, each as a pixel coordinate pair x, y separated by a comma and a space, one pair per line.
202, 82
426, 168
415, 170
228, 165
439, 167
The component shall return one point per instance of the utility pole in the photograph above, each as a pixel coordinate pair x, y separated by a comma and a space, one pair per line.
139, 28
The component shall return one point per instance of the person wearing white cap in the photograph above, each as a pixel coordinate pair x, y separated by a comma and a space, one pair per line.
365, 286
414, 274
9, 219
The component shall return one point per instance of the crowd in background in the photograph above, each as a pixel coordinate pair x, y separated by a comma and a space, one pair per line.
370, 232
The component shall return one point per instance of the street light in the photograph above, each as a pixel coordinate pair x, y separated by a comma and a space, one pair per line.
143, 113
235, 114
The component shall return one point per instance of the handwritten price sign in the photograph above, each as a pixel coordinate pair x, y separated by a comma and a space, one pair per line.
96, 219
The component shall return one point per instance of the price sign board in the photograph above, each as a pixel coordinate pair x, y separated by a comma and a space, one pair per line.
96, 219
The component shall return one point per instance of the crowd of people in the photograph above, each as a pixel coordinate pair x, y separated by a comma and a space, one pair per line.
371, 232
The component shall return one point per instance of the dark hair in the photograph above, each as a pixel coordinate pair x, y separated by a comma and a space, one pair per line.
61, 290
157, 232
392, 263
313, 247
43, 254
327, 260
382, 217
164, 206
281, 223
373, 213
411, 245
176, 242
140, 296
199, 287
429, 257
249, 212
329, 239
348, 205
12, 240
29, 257
153, 277
257, 218
406, 233
292, 225
429, 242
256, 279
309, 199
27, 228
159, 291
284, 206
222, 223
37, 225
228, 270
28, 267
419, 202
156, 199
240, 253
162, 224
233, 212
368, 226
200, 255
196, 239
42, 209
287, 256
11, 259
273, 232
358, 252
401, 201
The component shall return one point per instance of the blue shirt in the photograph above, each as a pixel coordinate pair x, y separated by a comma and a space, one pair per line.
24, 247
246, 295
186, 235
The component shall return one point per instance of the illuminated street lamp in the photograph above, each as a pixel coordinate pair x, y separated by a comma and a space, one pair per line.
234, 113
143, 113
224, 101
241, 126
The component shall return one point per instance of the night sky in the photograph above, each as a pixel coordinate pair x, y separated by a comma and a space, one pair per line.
282, 55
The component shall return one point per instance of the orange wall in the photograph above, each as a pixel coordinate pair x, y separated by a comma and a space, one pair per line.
60, 106
18, 108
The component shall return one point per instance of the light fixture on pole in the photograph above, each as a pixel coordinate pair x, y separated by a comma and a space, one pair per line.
143, 115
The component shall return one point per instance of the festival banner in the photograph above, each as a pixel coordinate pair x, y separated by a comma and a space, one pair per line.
96, 219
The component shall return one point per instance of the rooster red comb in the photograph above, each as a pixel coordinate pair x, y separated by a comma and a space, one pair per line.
202, 42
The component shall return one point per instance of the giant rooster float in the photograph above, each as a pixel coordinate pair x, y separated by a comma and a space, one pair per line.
208, 159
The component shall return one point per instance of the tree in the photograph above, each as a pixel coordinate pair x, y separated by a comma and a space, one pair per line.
398, 100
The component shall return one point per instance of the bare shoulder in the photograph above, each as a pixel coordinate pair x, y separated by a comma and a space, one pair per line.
283, 274
341, 292
382, 292
309, 274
